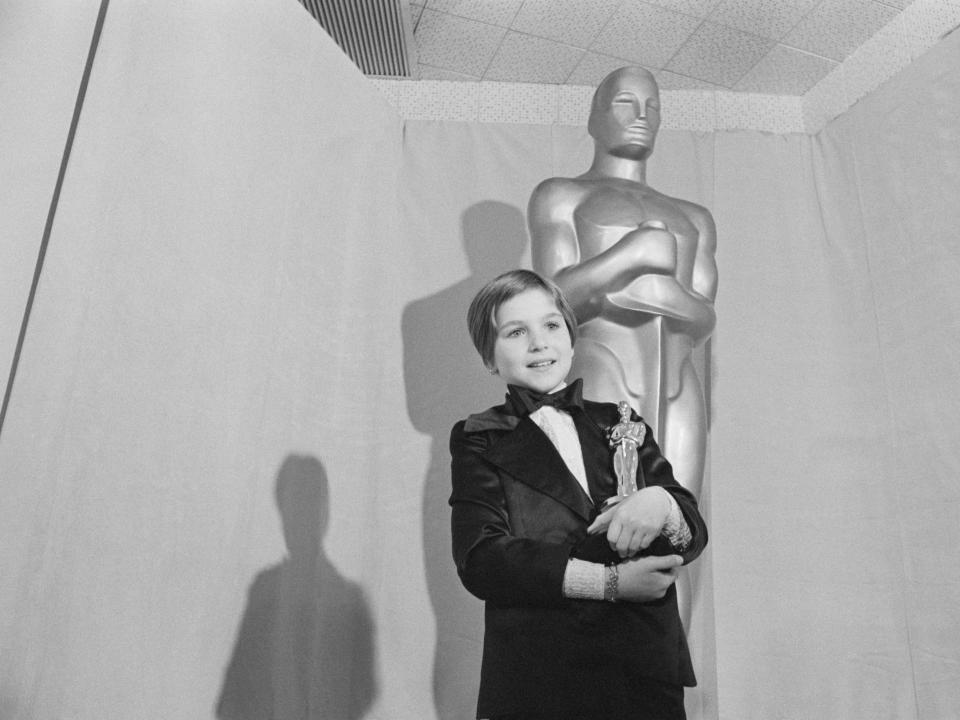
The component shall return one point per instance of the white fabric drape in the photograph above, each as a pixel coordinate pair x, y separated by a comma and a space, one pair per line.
43, 48
224, 468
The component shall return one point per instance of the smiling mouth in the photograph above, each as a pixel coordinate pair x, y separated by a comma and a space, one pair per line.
540, 364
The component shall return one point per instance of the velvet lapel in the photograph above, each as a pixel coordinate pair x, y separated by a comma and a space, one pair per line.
529, 456
596, 456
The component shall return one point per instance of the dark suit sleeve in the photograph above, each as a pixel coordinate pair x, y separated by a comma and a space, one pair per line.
658, 471
493, 564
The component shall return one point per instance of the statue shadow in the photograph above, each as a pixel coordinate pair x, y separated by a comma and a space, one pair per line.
304, 649
445, 380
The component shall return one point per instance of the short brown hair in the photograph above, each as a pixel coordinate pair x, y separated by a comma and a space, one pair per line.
482, 315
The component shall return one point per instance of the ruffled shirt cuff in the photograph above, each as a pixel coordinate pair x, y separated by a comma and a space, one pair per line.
675, 529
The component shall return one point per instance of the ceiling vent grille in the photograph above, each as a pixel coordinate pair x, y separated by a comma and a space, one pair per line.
376, 34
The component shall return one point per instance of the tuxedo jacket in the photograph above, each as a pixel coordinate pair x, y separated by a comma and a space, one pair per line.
518, 516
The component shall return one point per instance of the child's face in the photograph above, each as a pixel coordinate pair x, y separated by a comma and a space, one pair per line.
533, 347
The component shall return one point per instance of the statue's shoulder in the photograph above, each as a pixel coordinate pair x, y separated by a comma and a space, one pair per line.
554, 200
694, 211
557, 189
700, 216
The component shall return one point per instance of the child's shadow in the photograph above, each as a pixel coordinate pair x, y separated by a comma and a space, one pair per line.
304, 650
445, 380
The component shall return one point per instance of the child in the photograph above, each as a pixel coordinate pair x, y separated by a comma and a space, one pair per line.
579, 624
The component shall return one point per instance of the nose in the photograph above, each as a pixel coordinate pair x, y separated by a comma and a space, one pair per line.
537, 341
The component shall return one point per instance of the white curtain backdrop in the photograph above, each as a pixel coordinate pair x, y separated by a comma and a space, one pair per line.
224, 466
43, 48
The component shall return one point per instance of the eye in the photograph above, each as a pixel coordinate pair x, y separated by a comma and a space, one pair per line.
516, 332
553, 325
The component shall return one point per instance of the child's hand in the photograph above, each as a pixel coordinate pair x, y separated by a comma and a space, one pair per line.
647, 578
634, 522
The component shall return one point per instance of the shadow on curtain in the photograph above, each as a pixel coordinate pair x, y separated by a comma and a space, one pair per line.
441, 372
305, 648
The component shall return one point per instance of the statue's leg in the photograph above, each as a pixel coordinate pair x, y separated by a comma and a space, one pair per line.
603, 374
684, 445
620, 362
684, 437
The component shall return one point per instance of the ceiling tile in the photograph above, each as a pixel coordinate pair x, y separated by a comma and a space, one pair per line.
593, 68
767, 18
495, 12
719, 54
416, 11
646, 34
524, 58
432, 73
691, 45
697, 8
672, 81
453, 43
785, 71
568, 21
836, 27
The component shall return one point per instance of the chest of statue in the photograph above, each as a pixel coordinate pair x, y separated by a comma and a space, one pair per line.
608, 212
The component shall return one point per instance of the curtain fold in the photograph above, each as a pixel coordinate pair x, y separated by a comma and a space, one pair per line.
225, 467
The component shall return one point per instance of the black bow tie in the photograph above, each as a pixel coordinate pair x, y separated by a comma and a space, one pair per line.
524, 401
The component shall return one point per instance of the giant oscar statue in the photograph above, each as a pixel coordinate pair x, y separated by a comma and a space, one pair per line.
638, 267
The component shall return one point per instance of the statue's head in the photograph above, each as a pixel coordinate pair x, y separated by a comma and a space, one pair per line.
625, 114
